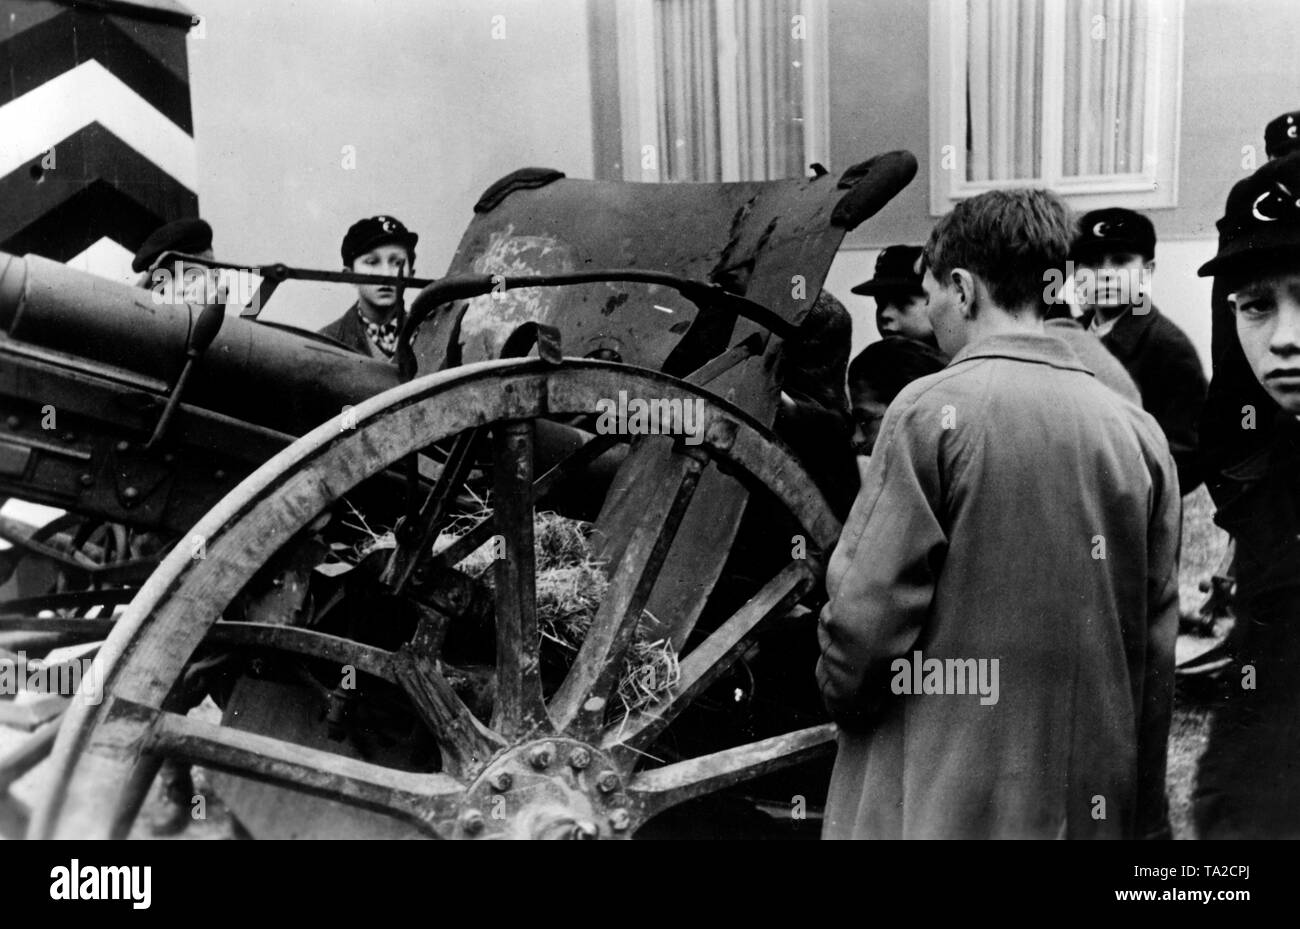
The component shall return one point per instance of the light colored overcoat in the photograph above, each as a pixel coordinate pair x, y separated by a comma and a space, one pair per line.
1015, 510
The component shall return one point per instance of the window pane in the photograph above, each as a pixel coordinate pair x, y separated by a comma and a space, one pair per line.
730, 89
1105, 86
686, 49
1004, 95
769, 90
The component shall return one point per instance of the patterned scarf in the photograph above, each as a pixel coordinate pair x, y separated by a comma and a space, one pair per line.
383, 337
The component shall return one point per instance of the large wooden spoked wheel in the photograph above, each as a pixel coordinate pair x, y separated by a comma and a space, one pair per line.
543, 765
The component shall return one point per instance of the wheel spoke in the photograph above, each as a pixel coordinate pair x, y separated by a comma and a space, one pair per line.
466, 744
445, 593
417, 538
716, 367
656, 790
599, 662
518, 707
365, 658
464, 546
308, 642
84, 629
471, 541
708, 660
570, 465
426, 800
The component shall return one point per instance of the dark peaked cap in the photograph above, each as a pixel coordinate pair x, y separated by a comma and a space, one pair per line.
1261, 217
190, 236
1282, 135
895, 272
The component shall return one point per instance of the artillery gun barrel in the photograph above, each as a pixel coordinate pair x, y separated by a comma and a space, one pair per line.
106, 357
258, 373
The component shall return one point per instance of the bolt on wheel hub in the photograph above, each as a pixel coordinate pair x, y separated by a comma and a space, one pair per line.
554, 788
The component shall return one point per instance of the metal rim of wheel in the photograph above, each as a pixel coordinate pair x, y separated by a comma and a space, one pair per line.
560, 771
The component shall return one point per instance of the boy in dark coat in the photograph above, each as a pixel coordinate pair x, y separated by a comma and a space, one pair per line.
1227, 435
1114, 255
1248, 782
379, 245
900, 301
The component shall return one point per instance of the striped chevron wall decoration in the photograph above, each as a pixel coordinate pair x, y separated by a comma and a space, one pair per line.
96, 132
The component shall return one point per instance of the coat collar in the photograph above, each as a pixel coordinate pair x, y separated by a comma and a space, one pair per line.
1282, 453
1035, 347
1128, 332
349, 330
352, 323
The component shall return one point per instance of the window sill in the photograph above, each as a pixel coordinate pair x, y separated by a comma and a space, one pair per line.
1082, 194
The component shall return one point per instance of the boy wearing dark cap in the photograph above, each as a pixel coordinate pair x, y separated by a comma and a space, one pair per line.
1223, 439
378, 245
1282, 135
181, 281
907, 348
1114, 257
900, 300
1248, 782
188, 236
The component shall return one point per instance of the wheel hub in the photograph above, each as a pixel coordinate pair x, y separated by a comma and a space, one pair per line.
555, 788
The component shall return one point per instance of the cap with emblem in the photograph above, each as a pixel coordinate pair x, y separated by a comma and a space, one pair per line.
1261, 218
1282, 135
371, 233
189, 236
895, 271
1111, 231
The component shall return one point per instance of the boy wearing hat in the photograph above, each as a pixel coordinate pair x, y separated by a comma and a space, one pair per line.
378, 245
181, 281
1282, 135
907, 348
1248, 782
900, 300
189, 236
1224, 441
1114, 256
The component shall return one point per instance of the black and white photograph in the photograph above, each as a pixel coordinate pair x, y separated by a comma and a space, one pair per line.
685, 420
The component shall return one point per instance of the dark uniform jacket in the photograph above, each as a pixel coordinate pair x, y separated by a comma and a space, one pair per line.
819, 429
1248, 782
1015, 509
1227, 436
349, 330
1162, 360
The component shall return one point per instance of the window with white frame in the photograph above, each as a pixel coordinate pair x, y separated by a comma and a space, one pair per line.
722, 90
1081, 96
